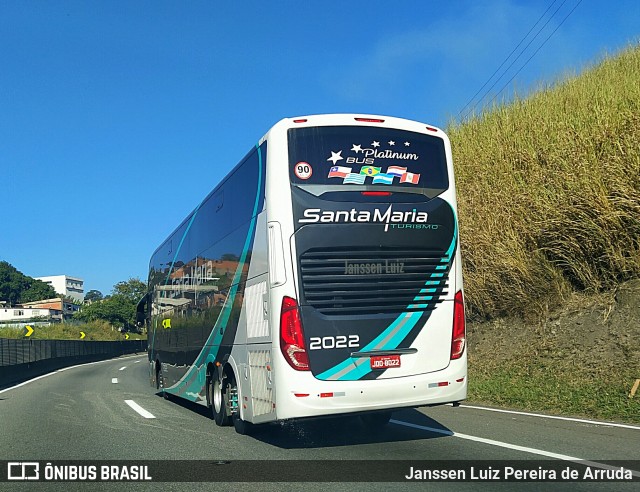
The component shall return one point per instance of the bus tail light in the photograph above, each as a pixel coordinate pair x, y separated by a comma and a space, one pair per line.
291, 335
458, 338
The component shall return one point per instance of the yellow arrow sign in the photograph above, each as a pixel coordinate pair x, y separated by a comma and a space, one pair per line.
28, 331
126, 336
166, 323
82, 335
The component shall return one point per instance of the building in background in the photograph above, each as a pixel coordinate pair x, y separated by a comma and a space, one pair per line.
66, 286
58, 305
20, 316
38, 312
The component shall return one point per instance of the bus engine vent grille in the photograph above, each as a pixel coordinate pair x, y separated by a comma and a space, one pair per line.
371, 281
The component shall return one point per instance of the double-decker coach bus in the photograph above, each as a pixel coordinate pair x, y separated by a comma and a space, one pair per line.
321, 276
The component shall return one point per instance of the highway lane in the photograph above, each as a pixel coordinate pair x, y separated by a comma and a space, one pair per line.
81, 413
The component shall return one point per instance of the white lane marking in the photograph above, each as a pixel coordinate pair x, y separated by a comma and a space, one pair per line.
114, 380
138, 361
66, 369
515, 447
146, 414
97, 362
557, 417
122, 368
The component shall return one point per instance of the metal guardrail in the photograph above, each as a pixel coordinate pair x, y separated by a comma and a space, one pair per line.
22, 359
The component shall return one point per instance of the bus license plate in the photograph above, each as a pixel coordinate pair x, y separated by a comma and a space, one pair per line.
385, 361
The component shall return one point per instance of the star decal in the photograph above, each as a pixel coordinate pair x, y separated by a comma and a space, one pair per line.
406, 144
356, 148
375, 144
335, 157
392, 143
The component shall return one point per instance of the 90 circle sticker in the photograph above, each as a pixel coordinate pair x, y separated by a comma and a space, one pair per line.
303, 170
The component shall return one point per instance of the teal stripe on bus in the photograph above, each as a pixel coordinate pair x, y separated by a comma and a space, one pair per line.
358, 369
193, 381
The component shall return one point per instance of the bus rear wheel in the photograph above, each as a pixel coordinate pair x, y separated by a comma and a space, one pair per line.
219, 391
241, 426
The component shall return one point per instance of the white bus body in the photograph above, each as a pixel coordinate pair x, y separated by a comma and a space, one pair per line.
322, 276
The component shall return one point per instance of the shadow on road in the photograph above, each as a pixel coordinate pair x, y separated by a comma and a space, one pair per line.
344, 430
348, 431
187, 404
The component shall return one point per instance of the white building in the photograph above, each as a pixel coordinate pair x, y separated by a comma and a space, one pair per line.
19, 316
66, 286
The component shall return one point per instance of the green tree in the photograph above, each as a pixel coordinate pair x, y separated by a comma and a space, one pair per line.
119, 309
37, 290
132, 290
93, 295
16, 287
11, 283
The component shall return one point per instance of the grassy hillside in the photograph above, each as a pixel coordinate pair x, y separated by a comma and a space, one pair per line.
549, 192
582, 361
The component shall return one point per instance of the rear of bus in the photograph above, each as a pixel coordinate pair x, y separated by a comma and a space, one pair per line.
370, 308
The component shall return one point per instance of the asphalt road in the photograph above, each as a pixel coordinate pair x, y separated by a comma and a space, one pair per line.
83, 414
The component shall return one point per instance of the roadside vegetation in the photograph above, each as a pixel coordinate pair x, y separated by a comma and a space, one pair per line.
15, 287
583, 360
99, 317
549, 207
549, 192
94, 330
118, 309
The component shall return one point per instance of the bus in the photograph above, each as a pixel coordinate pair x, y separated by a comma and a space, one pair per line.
320, 277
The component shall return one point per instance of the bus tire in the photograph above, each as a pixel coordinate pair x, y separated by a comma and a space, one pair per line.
241, 426
219, 400
160, 382
376, 420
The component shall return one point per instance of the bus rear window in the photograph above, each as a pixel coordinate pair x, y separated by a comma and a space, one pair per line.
357, 157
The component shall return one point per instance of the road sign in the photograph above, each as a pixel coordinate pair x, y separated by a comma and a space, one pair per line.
82, 335
28, 331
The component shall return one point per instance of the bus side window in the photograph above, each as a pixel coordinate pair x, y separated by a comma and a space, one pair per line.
218, 201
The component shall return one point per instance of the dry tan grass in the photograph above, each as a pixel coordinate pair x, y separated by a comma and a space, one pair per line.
549, 192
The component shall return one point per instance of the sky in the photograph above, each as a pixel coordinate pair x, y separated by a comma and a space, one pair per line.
117, 117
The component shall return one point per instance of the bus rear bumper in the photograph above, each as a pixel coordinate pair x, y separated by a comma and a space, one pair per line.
338, 397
